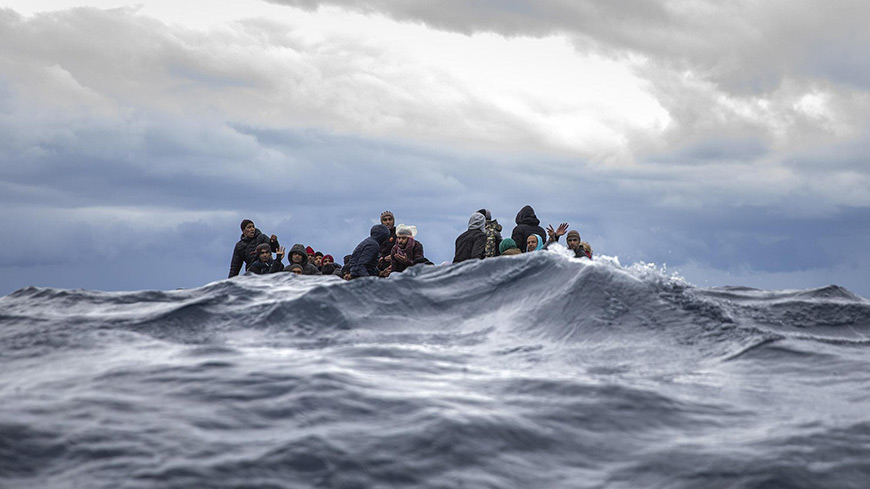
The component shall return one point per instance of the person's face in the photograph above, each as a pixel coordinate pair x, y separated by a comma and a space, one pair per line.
265, 255
346, 276
295, 258
573, 243
318, 260
310, 258
402, 240
531, 243
297, 271
326, 261
249, 230
388, 221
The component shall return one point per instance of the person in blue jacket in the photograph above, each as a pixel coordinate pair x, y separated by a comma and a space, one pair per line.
364, 259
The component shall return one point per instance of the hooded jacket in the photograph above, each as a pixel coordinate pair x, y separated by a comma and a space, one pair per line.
245, 251
527, 225
471, 243
307, 268
364, 259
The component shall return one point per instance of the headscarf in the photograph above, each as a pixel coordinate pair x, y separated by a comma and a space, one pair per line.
540, 243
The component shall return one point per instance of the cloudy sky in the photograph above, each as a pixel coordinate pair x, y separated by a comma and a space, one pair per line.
728, 141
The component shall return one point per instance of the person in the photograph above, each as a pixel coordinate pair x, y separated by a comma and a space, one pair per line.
265, 264
406, 252
327, 259
298, 256
388, 220
294, 268
245, 250
471, 243
493, 235
310, 252
580, 248
345, 269
364, 259
329, 269
527, 225
534, 243
318, 259
508, 247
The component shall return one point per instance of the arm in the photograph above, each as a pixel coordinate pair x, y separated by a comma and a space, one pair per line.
235, 263
478, 248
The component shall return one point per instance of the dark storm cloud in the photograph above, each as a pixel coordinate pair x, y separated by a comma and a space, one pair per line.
742, 45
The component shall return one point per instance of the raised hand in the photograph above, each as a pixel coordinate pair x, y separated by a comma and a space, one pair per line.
280, 253
563, 228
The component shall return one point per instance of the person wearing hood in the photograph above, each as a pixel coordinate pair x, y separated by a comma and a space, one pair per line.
265, 264
534, 243
364, 259
508, 247
580, 248
527, 225
471, 243
298, 256
388, 220
245, 251
406, 252
493, 235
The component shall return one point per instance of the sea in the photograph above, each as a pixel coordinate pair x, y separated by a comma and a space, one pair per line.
534, 371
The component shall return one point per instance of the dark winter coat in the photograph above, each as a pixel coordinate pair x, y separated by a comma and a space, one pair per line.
307, 268
245, 251
364, 259
386, 249
262, 268
471, 243
527, 225
402, 258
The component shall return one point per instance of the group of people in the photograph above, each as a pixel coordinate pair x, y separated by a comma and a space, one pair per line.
392, 249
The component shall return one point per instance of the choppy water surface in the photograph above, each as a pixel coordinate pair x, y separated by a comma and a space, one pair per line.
536, 371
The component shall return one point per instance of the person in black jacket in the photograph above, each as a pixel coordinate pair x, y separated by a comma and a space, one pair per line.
265, 264
298, 256
471, 243
388, 220
364, 259
527, 225
245, 249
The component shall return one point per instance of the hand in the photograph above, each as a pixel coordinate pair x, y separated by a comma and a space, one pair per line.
563, 228
551, 233
280, 253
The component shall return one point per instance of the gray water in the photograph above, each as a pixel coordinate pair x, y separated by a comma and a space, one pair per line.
537, 371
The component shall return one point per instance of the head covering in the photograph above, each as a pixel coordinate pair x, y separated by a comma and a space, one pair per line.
309, 250
263, 247
330, 258
506, 244
486, 214
380, 233
540, 243
318, 253
387, 213
295, 266
477, 221
403, 230
573, 234
245, 223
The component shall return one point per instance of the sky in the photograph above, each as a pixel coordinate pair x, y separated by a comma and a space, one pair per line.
726, 142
